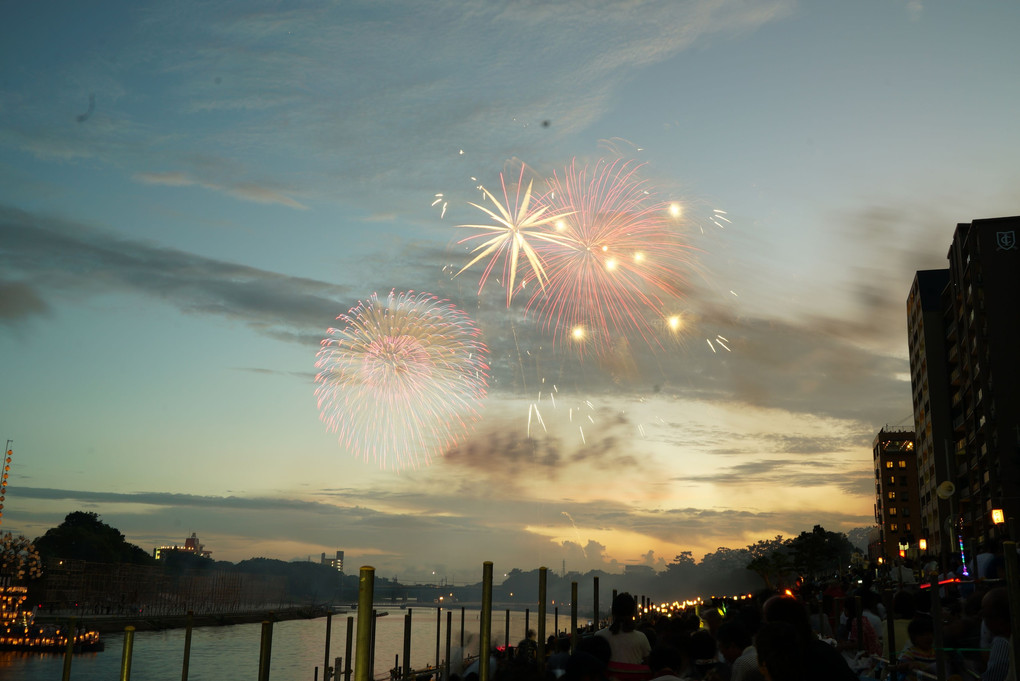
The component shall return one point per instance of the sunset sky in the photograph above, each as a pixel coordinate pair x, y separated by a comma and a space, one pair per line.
191, 192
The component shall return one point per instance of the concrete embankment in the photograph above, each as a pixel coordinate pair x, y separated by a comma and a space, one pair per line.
111, 624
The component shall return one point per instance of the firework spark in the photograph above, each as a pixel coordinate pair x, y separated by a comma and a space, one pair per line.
403, 378
516, 225
618, 262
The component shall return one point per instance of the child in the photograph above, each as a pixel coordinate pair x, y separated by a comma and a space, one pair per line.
919, 653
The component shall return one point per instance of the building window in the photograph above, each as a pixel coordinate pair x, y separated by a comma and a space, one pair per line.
893, 527
888, 464
902, 463
906, 513
892, 479
892, 511
892, 495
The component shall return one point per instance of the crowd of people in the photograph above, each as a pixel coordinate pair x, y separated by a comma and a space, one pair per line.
845, 629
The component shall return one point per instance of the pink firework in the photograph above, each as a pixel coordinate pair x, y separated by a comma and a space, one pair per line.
402, 379
619, 264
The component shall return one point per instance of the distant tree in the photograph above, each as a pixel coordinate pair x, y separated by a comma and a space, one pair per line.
820, 551
772, 561
84, 536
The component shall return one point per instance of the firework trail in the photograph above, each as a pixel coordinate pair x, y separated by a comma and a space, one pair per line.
516, 225
579, 541
402, 379
618, 261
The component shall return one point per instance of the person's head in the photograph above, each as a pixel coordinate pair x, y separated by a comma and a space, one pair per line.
712, 618
733, 639
995, 611
922, 633
780, 656
791, 611
665, 660
624, 610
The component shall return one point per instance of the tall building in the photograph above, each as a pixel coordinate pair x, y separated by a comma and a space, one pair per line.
965, 375
337, 562
929, 378
897, 505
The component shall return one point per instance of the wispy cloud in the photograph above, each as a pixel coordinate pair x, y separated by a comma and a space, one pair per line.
245, 192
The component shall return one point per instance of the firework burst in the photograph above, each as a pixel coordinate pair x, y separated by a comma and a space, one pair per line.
618, 261
509, 239
403, 379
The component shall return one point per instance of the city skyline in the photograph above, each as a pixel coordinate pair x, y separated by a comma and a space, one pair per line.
190, 196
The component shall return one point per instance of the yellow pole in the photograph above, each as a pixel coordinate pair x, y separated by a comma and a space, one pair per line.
363, 653
125, 658
69, 650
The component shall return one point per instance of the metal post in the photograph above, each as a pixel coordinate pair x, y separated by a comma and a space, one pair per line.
439, 631
462, 628
189, 622
265, 651
449, 636
69, 650
556, 620
350, 648
595, 603
407, 647
506, 630
541, 618
1013, 593
890, 620
336, 666
574, 639
325, 660
936, 616
366, 619
125, 658
485, 632
527, 621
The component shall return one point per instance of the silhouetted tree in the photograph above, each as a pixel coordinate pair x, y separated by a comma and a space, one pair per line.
84, 536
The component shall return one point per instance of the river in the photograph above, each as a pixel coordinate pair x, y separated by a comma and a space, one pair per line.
298, 647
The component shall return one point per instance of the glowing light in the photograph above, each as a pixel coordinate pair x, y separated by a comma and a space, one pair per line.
675, 322
998, 516
402, 379
675, 210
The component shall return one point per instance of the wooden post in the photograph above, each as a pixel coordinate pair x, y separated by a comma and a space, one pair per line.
574, 638
349, 649
407, 647
366, 620
325, 661
69, 649
449, 633
541, 617
485, 632
439, 631
265, 650
189, 622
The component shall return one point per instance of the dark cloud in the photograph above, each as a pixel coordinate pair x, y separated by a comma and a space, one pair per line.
19, 301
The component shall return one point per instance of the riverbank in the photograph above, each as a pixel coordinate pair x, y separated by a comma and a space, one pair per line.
115, 624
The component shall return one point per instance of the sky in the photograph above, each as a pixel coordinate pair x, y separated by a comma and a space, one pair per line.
191, 193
